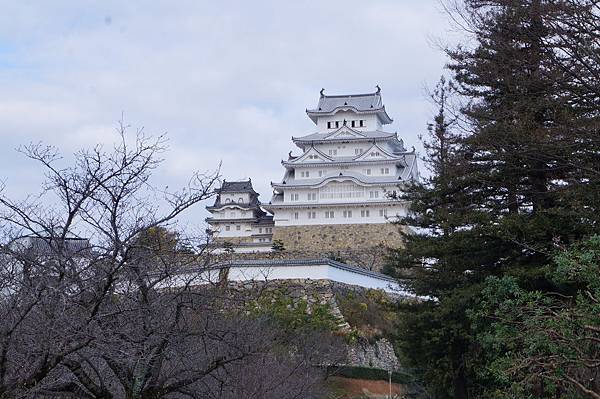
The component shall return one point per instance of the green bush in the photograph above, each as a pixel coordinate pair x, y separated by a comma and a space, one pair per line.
295, 314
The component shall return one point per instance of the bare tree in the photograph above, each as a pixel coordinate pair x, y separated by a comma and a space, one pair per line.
94, 318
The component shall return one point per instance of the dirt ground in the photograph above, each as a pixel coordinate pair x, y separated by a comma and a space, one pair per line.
347, 388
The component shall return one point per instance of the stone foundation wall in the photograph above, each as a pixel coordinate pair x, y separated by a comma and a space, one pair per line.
339, 237
362, 353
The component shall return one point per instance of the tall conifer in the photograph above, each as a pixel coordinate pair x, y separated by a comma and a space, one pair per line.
510, 191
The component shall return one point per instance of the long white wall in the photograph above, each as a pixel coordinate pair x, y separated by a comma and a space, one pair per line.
283, 272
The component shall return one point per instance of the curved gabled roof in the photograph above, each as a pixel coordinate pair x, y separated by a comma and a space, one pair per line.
358, 178
327, 137
360, 103
243, 186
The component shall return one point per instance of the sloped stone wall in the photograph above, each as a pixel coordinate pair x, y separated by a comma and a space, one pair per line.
362, 353
362, 245
341, 237
379, 355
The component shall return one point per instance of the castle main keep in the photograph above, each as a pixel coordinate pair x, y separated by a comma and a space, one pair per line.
337, 193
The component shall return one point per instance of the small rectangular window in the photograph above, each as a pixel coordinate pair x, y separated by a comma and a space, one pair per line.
337, 124
320, 173
362, 123
227, 228
353, 123
238, 227
296, 215
368, 171
328, 125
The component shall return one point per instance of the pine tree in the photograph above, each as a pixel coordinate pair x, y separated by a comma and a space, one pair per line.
509, 191
433, 333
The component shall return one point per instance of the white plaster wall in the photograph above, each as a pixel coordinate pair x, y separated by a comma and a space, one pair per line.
328, 171
391, 213
360, 194
270, 273
233, 213
371, 121
244, 231
235, 197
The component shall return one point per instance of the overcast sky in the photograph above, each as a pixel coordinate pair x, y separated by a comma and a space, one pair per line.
227, 80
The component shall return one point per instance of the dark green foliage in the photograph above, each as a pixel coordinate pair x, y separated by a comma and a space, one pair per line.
278, 246
543, 344
294, 314
371, 313
514, 177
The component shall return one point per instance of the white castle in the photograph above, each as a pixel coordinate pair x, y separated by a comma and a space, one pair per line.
347, 174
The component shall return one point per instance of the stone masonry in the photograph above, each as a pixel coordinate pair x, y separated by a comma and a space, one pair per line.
362, 353
338, 237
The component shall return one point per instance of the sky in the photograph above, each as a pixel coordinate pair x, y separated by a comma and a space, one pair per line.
228, 81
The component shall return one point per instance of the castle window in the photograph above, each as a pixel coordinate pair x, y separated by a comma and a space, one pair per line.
373, 194
340, 190
311, 196
332, 152
329, 214
347, 214
312, 215
227, 228
368, 171
337, 124
260, 230
385, 171
383, 212
328, 125
320, 173
296, 215
353, 123
364, 213
362, 123
238, 227
269, 229
294, 197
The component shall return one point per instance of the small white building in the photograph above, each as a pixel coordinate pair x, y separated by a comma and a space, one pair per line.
348, 169
237, 220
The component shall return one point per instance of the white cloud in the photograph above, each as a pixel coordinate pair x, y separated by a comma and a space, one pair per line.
229, 81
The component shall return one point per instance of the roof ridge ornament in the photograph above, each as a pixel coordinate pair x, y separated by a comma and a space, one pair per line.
321, 92
378, 89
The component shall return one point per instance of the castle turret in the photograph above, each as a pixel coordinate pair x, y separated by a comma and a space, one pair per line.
237, 218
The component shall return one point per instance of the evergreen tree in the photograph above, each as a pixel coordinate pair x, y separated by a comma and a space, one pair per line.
509, 189
434, 333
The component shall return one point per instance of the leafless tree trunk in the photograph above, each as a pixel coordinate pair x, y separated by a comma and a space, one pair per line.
94, 318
